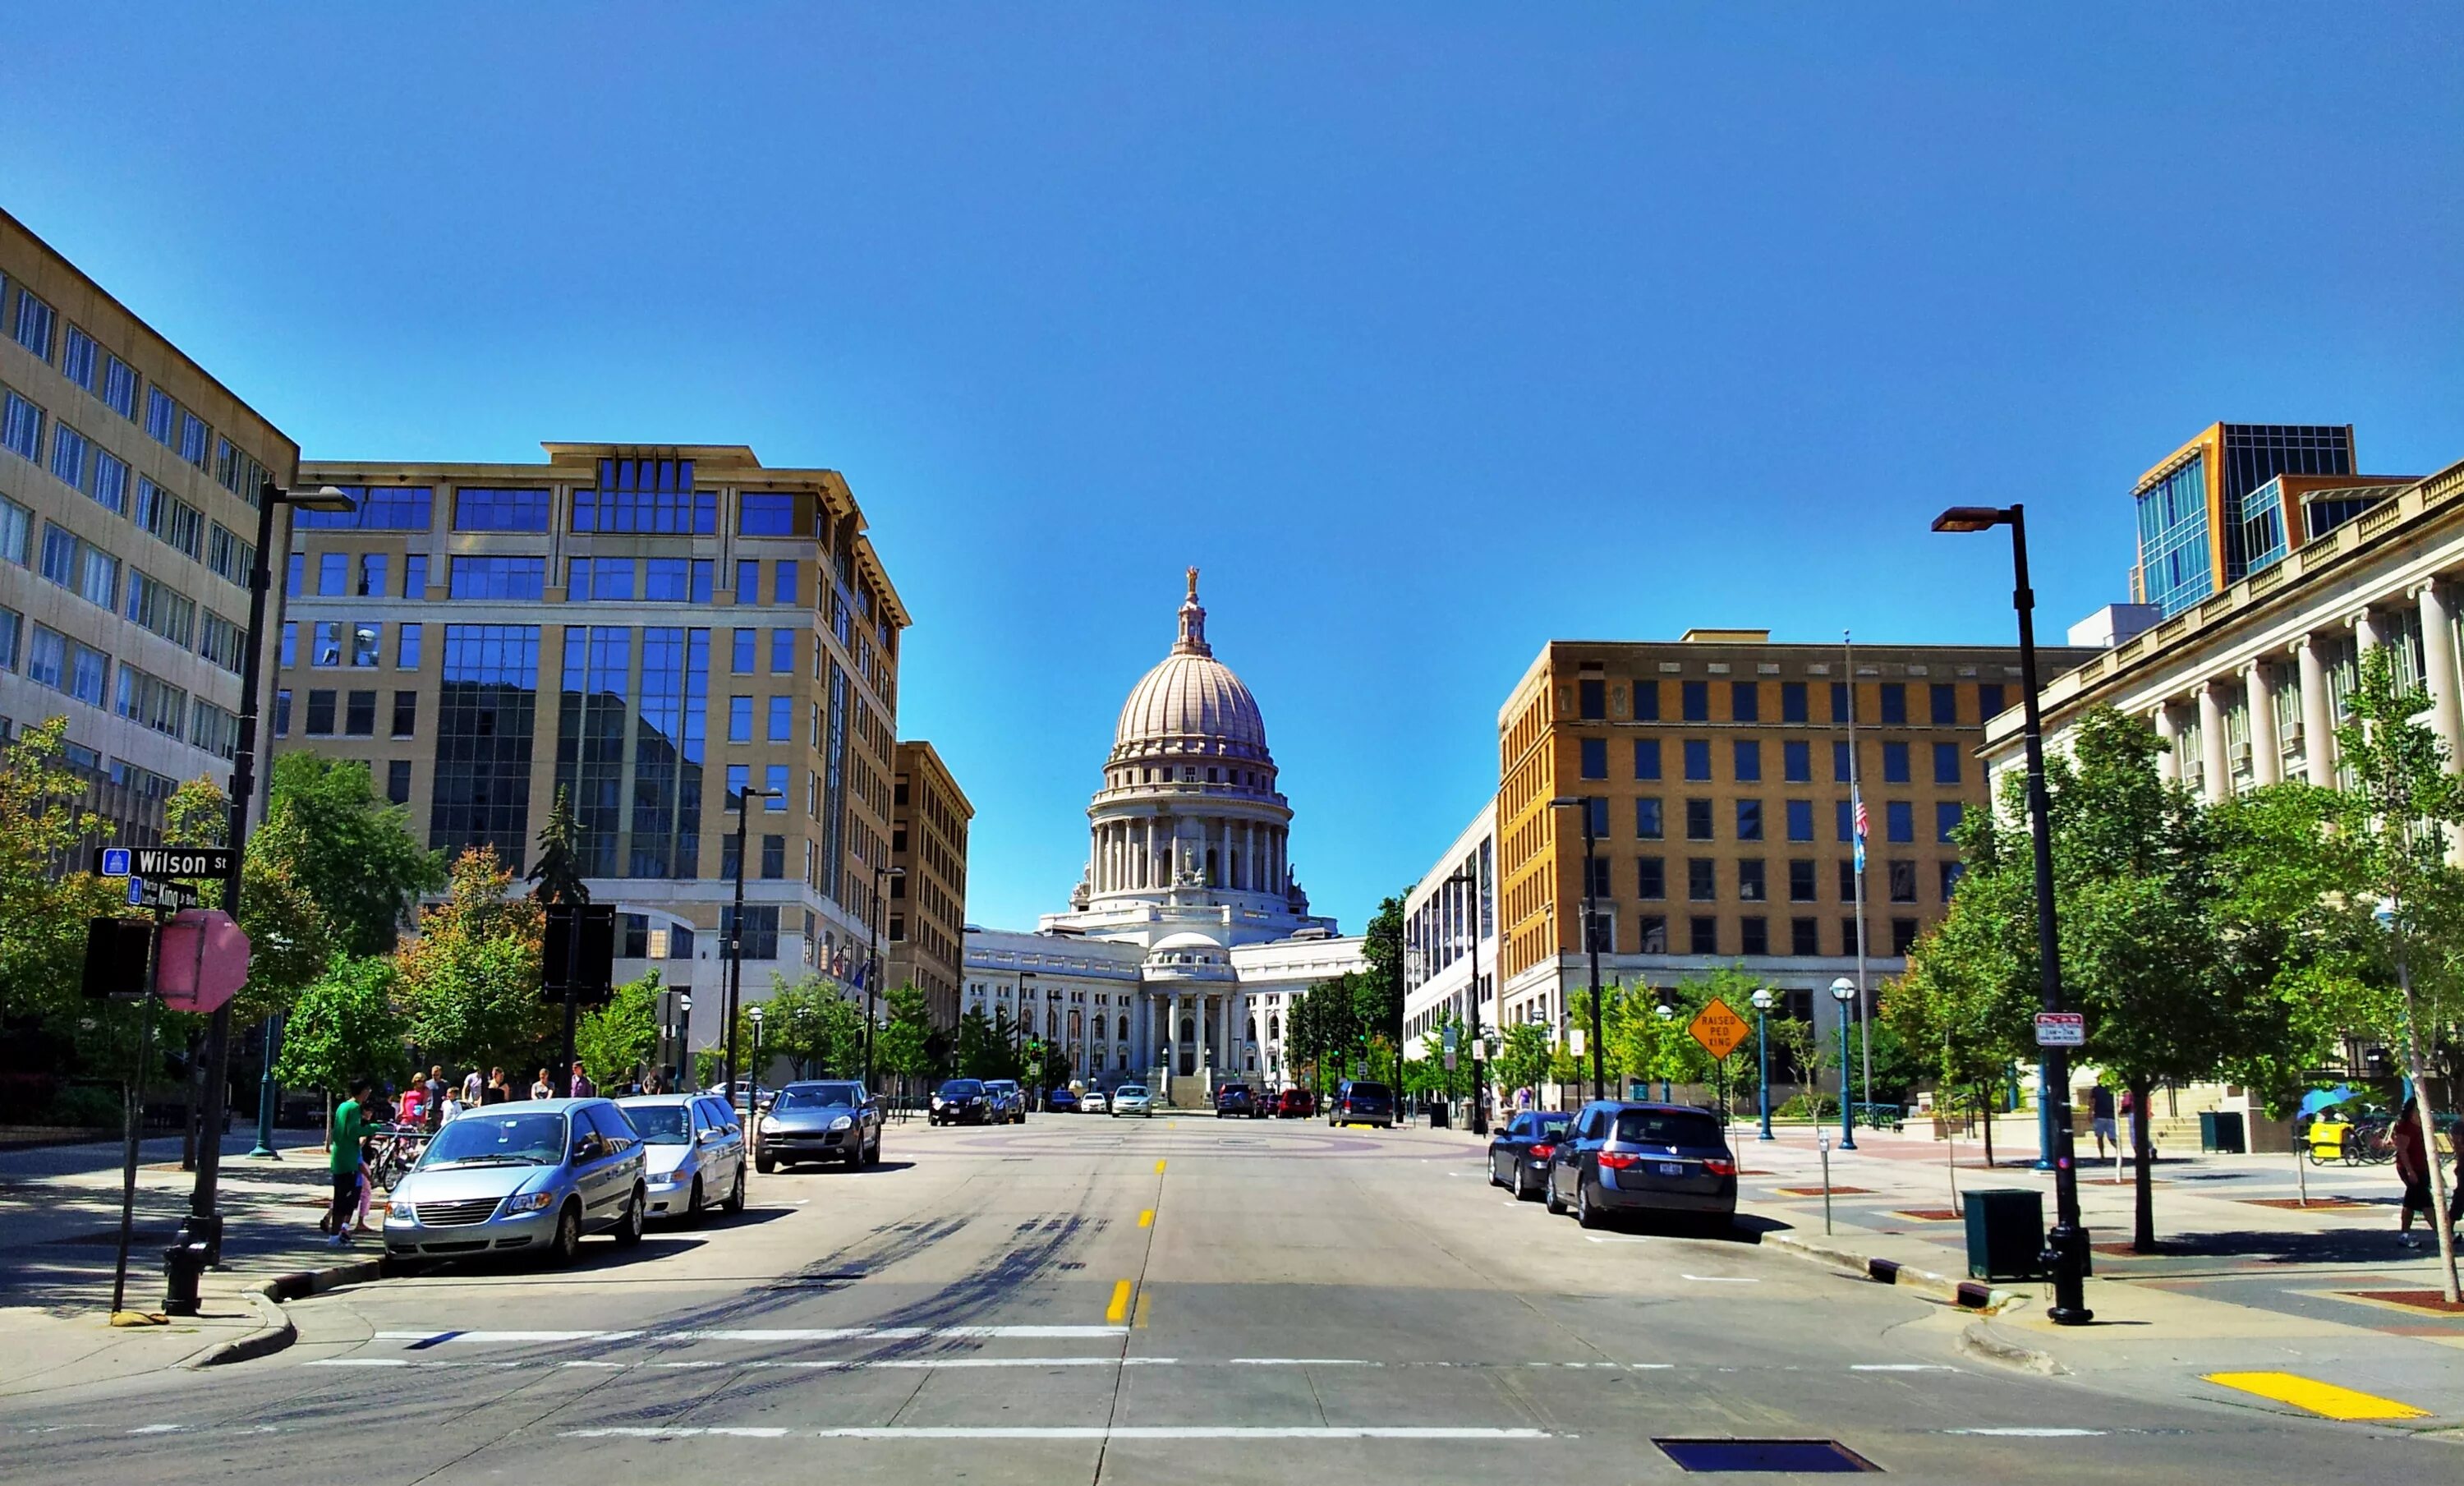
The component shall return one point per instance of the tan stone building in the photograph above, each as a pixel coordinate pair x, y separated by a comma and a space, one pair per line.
1716, 771
927, 906
128, 515
652, 630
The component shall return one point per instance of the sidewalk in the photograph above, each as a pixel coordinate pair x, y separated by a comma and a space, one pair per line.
59, 1230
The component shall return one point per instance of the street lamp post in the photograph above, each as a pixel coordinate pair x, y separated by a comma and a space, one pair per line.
1666, 1014
1844, 990
753, 1070
261, 583
1591, 939
872, 972
744, 799
2065, 1252
684, 1038
1762, 1052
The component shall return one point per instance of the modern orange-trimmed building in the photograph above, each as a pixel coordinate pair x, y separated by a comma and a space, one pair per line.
2237, 498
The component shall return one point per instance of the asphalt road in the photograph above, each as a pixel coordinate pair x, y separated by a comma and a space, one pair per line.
999, 1305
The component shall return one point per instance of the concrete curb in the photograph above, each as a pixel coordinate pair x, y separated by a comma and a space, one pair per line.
1963, 1293
1977, 1341
275, 1330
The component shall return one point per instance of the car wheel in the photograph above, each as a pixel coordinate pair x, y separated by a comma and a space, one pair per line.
566, 1246
1549, 1194
872, 1153
735, 1202
1492, 1173
628, 1229
1586, 1215
692, 1202
765, 1163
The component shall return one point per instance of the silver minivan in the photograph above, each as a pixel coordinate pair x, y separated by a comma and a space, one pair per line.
535, 1174
695, 1149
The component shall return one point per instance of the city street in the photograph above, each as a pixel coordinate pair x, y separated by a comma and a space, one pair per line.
1182, 1300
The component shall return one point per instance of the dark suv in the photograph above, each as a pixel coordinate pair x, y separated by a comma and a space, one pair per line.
1234, 1099
1623, 1157
1361, 1102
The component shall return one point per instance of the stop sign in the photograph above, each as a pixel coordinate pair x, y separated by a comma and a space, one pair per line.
203, 961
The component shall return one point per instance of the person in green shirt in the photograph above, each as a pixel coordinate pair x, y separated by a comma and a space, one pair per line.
351, 1125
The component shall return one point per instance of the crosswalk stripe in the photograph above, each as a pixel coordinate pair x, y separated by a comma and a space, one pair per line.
1164, 1431
2320, 1398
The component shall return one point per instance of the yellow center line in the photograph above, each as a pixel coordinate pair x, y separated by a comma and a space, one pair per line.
1119, 1310
1142, 1310
1146, 1218
2320, 1398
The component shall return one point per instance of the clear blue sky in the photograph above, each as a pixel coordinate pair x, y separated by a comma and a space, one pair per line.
1429, 332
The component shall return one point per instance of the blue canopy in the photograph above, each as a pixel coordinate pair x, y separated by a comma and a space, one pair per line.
2317, 1099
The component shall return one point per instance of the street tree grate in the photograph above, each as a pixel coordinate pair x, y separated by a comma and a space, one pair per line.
1801, 1456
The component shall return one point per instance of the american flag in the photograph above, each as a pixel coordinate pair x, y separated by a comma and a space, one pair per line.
1860, 819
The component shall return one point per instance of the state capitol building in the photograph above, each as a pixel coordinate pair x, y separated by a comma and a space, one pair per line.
1188, 934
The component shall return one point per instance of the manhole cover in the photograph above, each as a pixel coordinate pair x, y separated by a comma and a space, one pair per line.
1802, 1456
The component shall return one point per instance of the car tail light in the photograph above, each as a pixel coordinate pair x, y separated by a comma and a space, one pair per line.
1618, 1160
1543, 1152
1719, 1165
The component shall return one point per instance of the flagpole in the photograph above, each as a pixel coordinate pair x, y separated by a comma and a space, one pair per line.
1856, 806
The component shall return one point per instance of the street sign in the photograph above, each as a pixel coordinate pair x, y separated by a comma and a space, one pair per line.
1719, 1028
203, 961
165, 861
136, 890
2061, 1029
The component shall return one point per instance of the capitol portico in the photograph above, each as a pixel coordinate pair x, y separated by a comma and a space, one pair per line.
1188, 933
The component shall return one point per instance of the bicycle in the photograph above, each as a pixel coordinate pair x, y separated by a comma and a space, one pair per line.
392, 1152
2370, 1141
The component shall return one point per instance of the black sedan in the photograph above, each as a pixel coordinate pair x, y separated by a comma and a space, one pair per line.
962, 1102
1519, 1154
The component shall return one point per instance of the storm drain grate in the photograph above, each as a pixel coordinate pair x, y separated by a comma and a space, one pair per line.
1804, 1457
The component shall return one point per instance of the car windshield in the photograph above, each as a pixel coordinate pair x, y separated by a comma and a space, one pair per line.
817, 1096
1001, 1085
1666, 1127
481, 1139
1133, 1090
661, 1124
961, 1089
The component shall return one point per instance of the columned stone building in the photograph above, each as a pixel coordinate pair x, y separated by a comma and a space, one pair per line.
1189, 932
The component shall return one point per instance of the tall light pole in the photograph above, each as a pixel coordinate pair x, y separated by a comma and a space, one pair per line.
2065, 1252
261, 583
1762, 1052
1844, 990
1856, 803
1591, 939
1667, 1095
753, 1070
872, 972
744, 799
684, 1038
1471, 921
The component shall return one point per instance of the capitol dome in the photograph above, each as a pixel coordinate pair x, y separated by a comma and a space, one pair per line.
1191, 702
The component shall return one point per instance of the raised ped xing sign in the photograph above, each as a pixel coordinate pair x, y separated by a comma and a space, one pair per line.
203, 961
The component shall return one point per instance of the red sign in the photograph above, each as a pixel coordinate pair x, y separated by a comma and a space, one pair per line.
2061, 1029
203, 961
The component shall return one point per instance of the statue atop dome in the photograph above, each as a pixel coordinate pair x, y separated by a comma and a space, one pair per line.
1193, 624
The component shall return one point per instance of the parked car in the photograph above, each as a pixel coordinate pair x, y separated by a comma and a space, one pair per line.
960, 1102
1094, 1102
1295, 1104
1361, 1102
1234, 1099
530, 1174
819, 1119
741, 1096
1519, 1153
693, 1153
1133, 1098
1009, 1100
1624, 1156
1061, 1101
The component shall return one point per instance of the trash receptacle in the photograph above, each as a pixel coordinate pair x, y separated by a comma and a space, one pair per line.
2220, 1131
182, 1265
2006, 1232
1438, 1115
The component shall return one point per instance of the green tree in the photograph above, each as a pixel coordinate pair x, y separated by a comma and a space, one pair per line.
472, 976
345, 1026
354, 850
983, 1049
556, 878
43, 823
291, 941
810, 1022
615, 1039
905, 1046
1523, 1060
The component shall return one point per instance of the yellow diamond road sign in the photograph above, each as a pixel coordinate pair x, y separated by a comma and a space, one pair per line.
1718, 1029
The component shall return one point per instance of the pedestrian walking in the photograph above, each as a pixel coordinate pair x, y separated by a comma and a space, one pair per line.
474, 1085
496, 1091
435, 1093
2412, 1169
451, 1109
540, 1088
2100, 1111
583, 1087
350, 1127
414, 1105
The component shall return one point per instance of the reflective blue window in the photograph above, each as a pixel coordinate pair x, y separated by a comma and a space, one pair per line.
479, 509
375, 508
1646, 758
1594, 757
653, 496
1697, 701
761, 515
1796, 761
1895, 763
1748, 760
1800, 820
1900, 819
1945, 819
1698, 758
1946, 764
498, 578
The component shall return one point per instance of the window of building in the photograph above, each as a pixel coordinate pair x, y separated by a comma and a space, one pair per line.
360, 715
1753, 935
1904, 881
160, 608
1945, 704
1647, 825
321, 714
35, 321
374, 508
1895, 764
739, 777
12, 625
1696, 700
782, 653
17, 532
1745, 701
599, 579
1841, 763
1651, 877
1592, 700
192, 438
406, 713
1597, 807
1791, 701
1698, 758
759, 513
333, 574
1698, 820
69, 457
1751, 885
282, 713
1847, 880
21, 428
676, 580
1594, 757
1654, 930
372, 575
364, 643
1804, 936
405, 647
170, 520
1848, 937
1750, 820
1989, 701
739, 719
774, 857
1946, 764
1796, 761
1748, 760
1602, 932
1800, 820
1646, 758
1800, 880
774, 778
119, 386
1901, 820
1703, 935
497, 578
1845, 822
739, 656
761, 937
398, 781
1903, 936
414, 576
1895, 704
748, 581
150, 701
479, 509
1646, 702
77, 358
1946, 820
482, 735
655, 496
1951, 873
1843, 700
295, 572
783, 585
1701, 880
1602, 882
782, 719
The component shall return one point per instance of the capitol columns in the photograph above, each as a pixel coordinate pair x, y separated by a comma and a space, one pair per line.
2266, 749
2318, 715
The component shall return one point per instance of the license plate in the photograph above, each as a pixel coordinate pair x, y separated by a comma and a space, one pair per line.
1672, 1169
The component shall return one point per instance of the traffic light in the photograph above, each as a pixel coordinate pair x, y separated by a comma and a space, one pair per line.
116, 950
579, 946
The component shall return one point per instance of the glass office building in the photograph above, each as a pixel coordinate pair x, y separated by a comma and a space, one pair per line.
2196, 537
